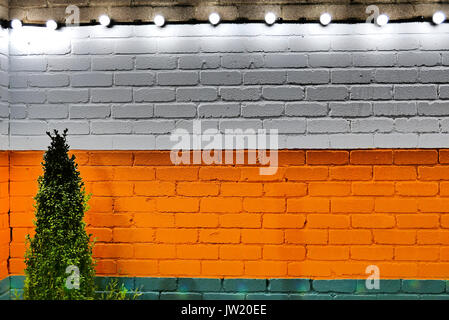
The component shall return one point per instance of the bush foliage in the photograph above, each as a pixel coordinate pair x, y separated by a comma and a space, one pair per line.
60, 240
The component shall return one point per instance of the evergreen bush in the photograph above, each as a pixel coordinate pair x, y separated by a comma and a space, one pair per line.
60, 241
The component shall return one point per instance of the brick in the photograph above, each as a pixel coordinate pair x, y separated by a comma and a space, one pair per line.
306, 236
158, 62
417, 221
188, 220
154, 95
262, 236
134, 79
372, 252
244, 285
373, 221
408, 92
433, 205
325, 93
177, 204
327, 157
219, 173
106, 95
263, 205
229, 268
220, 78
266, 268
327, 252
433, 173
350, 173
308, 77
395, 205
417, 253
356, 205
264, 77
329, 189
240, 220
179, 267
227, 110
283, 93
240, 252
394, 237
417, 188
373, 188
350, 237
219, 236
176, 235
308, 268
344, 285
197, 251
240, 94
306, 109
423, 286
394, 173
197, 94
217, 204
193, 62
184, 78
283, 221
307, 173
285, 189
199, 285
308, 204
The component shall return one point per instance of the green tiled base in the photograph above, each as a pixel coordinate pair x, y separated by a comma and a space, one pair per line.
260, 289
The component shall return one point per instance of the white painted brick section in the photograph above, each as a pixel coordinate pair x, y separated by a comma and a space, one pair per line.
129, 87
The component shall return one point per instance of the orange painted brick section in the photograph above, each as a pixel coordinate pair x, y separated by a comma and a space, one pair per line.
323, 214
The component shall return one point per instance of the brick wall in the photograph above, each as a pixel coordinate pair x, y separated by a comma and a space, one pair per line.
4, 214
343, 86
326, 214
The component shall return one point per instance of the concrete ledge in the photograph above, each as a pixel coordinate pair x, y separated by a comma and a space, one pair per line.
38, 11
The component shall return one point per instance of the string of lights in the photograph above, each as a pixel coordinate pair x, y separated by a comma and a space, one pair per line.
214, 19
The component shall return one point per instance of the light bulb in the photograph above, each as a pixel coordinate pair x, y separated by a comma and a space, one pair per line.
51, 25
159, 20
104, 20
16, 24
438, 17
382, 19
214, 18
325, 19
270, 18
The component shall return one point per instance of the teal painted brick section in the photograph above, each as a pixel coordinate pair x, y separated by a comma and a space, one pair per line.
102, 282
4, 285
223, 296
258, 289
17, 282
156, 284
423, 286
289, 285
244, 285
343, 286
199, 285
148, 296
5, 296
180, 296
385, 286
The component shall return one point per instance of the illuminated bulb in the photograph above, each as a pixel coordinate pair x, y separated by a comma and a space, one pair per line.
51, 25
382, 19
214, 18
438, 17
325, 19
16, 24
270, 18
159, 20
104, 20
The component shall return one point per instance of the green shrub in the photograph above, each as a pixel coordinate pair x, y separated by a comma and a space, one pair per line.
60, 240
